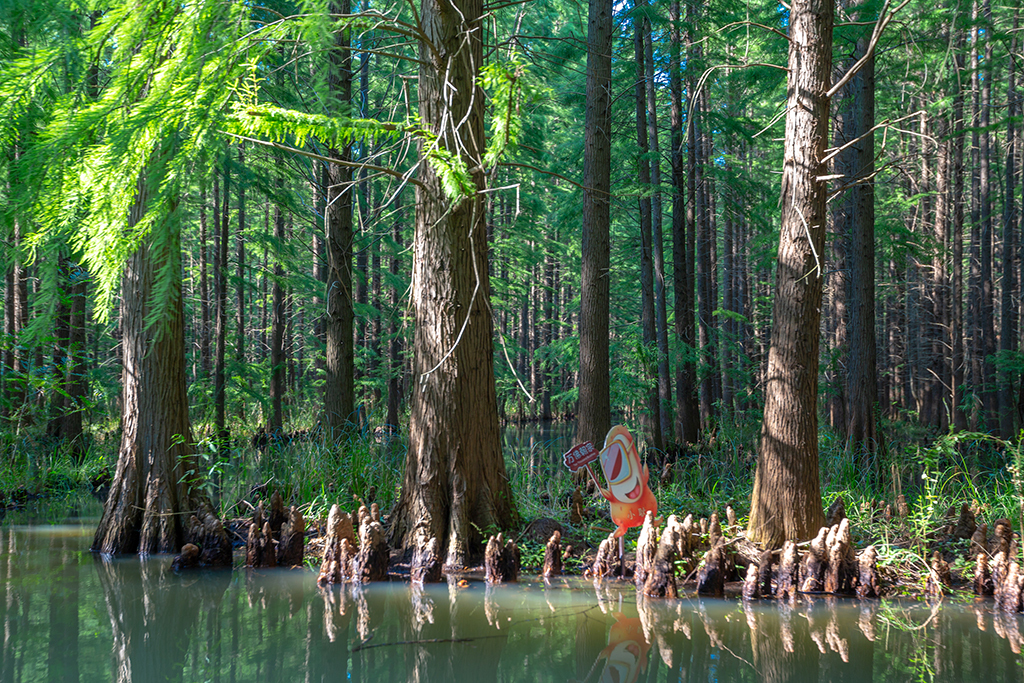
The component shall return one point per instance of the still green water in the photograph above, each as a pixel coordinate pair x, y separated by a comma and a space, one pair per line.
67, 616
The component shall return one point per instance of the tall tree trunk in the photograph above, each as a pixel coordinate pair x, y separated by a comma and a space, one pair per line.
658, 244
240, 256
976, 348
61, 331
840, 216
686, 392
1011, 228
277, 323
152, 483
862, 389
455, 480
395, 344
547, 332
220, 331
339, 390
986, 322
786, 501
938, 365
594, 419
204, 284
649, 354
957, 360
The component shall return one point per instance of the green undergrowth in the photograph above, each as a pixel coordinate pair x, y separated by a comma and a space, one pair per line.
899, 498
903, 498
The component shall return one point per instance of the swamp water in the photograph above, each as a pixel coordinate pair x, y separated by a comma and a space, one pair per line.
67, 616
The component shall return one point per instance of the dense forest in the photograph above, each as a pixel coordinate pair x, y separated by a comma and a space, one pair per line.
232, 226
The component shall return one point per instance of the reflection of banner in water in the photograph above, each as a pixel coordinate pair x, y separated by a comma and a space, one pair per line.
624, 657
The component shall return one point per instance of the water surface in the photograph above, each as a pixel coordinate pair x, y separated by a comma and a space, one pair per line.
67, 616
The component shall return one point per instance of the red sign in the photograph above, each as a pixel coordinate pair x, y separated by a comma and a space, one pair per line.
580, 456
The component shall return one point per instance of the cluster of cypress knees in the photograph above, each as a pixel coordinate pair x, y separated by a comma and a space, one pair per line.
355, 550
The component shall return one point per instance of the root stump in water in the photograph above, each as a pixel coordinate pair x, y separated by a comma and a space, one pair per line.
751, 586
661, 575
867, 576
206, 532
789, 572
553, 556
711, 577
815, 564
842, 564
187, 559
606, 559
426, 563
646, 548
982, 575
337, 563
293, 540
1002, 537
371, 562
1008, 592
939, 578
259, 547
501, 560
278, 516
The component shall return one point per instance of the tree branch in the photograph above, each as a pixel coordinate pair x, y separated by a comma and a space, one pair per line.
883, 21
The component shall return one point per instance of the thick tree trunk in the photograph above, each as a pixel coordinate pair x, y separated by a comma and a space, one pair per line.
339, 390
786, 501
455, 481
594, 418
688, 415
152, 484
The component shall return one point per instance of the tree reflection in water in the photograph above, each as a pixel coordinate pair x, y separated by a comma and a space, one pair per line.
65, 617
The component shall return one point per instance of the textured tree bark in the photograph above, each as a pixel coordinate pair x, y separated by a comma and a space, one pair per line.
594, 419
786, 502
455, 483
688, 416
152, 483
339, 389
